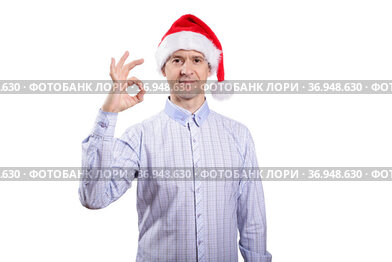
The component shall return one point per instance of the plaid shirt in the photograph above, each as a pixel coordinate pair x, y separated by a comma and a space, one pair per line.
191, 219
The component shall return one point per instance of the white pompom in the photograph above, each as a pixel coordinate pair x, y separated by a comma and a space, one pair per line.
224, 91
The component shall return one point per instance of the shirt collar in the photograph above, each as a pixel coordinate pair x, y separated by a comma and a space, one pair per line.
181, 115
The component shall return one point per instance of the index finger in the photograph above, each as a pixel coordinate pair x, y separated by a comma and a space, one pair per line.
134, 63
122, 60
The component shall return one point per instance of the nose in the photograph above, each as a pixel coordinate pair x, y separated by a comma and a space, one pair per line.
186, 68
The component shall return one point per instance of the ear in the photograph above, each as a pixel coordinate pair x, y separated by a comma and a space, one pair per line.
209, 72
163, 71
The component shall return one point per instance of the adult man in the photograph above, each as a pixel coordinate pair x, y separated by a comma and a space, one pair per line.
190, 219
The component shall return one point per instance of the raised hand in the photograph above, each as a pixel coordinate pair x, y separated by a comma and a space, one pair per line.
118, 99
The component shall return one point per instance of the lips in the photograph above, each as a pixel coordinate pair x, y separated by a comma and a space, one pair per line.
187, 81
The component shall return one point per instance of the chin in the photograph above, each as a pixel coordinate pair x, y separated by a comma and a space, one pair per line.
187, 96
187, 92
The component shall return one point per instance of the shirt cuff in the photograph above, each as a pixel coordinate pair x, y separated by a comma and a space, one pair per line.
105, 124
250, 256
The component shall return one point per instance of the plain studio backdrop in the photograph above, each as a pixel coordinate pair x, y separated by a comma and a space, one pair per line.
274, 40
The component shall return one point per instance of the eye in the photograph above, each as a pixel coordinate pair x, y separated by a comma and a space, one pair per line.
176, 60
197, 60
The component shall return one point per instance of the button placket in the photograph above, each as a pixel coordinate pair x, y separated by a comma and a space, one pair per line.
200, 227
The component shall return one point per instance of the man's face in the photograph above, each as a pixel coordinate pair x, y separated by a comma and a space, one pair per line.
186, 72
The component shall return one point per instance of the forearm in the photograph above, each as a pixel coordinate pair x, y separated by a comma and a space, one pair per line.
98, 187
252, 223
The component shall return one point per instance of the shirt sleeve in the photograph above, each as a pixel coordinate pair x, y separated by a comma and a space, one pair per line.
251, 216
109, 164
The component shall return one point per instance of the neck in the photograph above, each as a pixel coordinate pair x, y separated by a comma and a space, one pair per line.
189, 104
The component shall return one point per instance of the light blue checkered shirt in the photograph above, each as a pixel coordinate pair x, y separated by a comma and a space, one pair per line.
182, 220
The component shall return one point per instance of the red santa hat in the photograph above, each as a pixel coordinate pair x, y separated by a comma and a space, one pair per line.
190, 33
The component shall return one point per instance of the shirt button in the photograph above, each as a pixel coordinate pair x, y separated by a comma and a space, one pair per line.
194, 140
198, 215
200, 242
102, 124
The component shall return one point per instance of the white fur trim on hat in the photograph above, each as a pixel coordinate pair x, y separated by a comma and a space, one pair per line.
187, 40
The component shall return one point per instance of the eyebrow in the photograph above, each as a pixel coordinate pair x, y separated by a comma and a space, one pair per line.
179, 56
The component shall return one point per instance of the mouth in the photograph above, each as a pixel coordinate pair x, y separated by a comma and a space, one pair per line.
187, 81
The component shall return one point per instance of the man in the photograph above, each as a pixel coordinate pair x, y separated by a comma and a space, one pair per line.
191, 219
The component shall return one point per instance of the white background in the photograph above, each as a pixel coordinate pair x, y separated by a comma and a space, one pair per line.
274, 40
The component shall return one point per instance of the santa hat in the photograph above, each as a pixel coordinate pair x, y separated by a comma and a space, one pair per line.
190, 33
